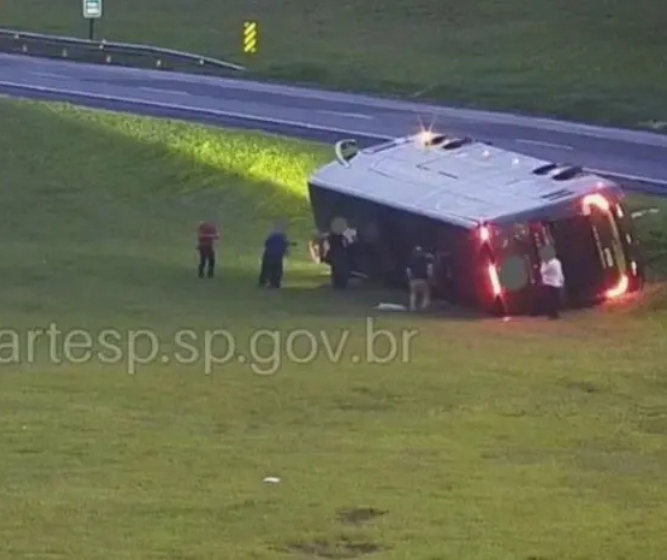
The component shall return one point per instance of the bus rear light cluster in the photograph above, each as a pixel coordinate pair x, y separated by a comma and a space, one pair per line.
495, 280
620, 289
596, 200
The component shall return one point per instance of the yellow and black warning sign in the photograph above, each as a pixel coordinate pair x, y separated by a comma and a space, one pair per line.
250, 37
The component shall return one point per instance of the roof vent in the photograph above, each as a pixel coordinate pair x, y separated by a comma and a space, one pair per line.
544, 169
456, 143
555, 195
568, 173
435, 140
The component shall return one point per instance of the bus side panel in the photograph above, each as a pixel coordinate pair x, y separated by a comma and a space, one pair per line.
457, 246
325, 205
389, 235
360, 215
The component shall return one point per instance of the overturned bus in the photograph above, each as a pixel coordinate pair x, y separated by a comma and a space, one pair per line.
485, 214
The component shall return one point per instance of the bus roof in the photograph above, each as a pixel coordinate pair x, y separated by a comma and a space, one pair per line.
459, 181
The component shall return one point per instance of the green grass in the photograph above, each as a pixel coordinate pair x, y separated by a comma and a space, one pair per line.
498, 441
600, 60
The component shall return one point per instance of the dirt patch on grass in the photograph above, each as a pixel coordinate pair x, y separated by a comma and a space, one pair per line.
519, 456
653, 419
359, 515
342, 549
583, 386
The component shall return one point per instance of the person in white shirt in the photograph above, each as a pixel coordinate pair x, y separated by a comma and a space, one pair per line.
553, 281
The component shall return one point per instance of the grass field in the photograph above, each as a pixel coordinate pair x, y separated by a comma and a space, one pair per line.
485, 440
601, 60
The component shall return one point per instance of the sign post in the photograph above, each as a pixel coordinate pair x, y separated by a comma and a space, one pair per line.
92, 10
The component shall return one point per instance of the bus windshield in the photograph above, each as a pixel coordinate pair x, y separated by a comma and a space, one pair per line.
611, 243
593, 249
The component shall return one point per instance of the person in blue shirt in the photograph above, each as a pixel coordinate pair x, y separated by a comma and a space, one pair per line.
276, 247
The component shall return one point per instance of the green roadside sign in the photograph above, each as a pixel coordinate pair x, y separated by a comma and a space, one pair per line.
92, 9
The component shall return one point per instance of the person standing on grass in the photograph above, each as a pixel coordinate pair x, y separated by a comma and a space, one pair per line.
339, 260
207, 235
276, 248
551, 271
419, 273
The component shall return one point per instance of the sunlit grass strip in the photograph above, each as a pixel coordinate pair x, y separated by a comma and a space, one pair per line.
250, 155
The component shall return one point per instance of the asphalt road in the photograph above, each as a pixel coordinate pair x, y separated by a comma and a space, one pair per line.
637, 159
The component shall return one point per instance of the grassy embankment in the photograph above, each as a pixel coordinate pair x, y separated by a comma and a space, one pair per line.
496, 441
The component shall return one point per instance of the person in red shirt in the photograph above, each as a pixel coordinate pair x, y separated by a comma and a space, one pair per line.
207, 235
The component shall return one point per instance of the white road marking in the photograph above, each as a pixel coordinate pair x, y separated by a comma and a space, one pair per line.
544, 144
349, 115
50, 75
161, 91
638, 178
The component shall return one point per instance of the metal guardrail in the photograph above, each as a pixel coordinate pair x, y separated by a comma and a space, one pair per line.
106, 52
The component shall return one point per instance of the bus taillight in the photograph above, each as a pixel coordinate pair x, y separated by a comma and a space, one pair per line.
595, 200
484, 234
618, 290
495, 280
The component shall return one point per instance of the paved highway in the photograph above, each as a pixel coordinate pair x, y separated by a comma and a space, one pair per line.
639, 159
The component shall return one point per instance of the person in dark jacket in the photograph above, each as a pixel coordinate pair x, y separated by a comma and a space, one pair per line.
276, 247
419, 273
338, 256
207, 235
338, 259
